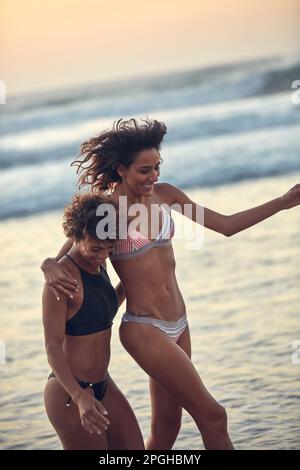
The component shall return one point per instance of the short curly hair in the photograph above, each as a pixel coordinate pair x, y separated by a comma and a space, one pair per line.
101, 156
80, 219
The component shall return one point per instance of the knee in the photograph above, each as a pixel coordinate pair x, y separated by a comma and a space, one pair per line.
221, 417
217, 420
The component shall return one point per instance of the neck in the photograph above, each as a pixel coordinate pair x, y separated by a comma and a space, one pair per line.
132, 198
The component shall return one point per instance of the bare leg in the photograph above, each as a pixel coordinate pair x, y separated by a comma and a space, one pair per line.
123, 431
66, 420
171, 367
166, 412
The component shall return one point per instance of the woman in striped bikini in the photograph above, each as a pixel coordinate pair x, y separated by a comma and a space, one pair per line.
125, 161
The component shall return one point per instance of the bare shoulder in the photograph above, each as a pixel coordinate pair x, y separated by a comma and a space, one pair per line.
170, 194
165, 192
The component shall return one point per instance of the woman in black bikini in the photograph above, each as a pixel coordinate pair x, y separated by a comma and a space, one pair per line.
83, 403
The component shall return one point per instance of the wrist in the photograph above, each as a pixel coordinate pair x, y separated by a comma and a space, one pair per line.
280, 203
77, 395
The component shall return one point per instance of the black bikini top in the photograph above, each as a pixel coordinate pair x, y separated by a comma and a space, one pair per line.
99, 306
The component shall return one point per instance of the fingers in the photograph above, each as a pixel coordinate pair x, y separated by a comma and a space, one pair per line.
60, 290
100, 407
100, 418
92, 428
68, 278
93, 422
64, 291
68, 286
54, 292
62, 287
58, 274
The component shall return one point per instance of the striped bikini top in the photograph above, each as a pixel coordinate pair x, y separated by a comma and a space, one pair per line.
136, 243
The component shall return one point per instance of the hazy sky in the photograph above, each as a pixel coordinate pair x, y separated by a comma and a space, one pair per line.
56, 43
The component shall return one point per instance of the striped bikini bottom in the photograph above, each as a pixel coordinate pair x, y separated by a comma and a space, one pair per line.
173, 329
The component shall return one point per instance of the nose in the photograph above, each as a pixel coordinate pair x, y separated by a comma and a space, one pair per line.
107, 251
154, 177
103, 254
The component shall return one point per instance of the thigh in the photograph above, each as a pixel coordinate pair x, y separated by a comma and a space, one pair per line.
169, 365
123, 431
66, 420
166, 410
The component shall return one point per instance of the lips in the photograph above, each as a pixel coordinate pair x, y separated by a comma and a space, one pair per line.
97, 261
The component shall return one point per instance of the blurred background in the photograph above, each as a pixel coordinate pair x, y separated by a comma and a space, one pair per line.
220, 75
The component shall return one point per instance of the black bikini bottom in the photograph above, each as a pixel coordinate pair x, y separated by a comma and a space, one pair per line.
99, 388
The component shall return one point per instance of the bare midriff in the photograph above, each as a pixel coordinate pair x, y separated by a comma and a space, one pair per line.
88, 356
150, 284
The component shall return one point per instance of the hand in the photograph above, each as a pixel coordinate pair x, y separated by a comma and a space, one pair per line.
92, 413
292, 197
58, 279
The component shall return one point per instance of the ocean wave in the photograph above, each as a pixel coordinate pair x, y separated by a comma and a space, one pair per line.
186, 123
196, 163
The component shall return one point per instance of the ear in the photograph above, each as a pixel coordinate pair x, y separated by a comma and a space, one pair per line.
121, 170
76, 243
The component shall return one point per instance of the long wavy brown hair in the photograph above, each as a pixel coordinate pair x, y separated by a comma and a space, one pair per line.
101, 156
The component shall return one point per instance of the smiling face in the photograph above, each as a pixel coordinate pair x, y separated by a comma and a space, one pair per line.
142, 174
94, 252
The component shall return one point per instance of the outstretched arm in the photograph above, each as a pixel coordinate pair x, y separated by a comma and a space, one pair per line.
229, 225
245, 219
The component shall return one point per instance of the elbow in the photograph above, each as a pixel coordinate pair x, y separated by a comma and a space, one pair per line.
228, 233
43, 264
227, 229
